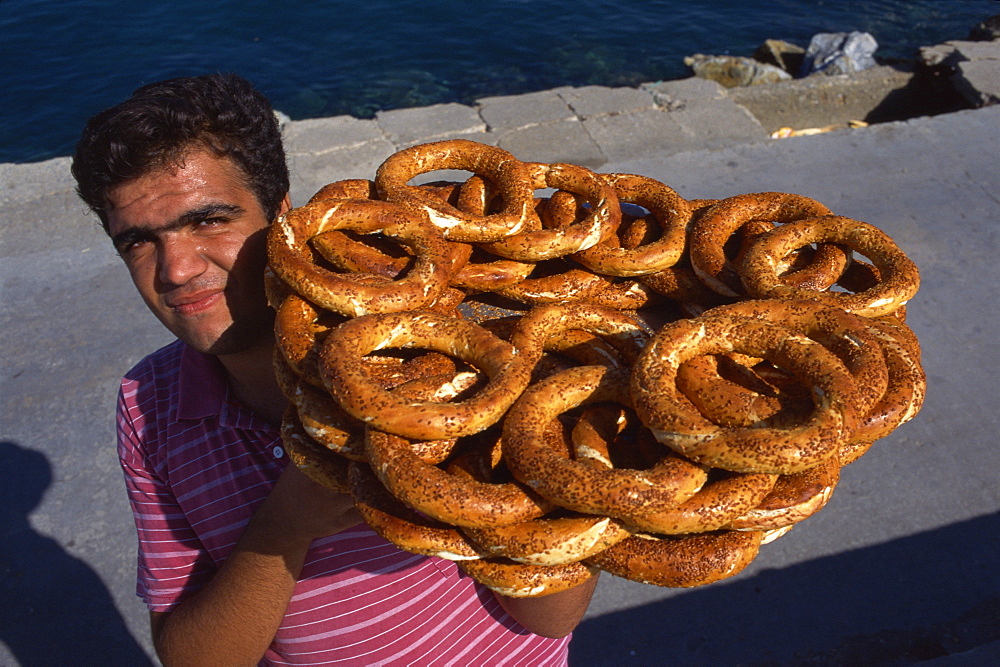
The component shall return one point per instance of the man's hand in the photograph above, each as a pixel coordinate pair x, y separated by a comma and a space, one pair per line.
234, 618
554, 615
300, 509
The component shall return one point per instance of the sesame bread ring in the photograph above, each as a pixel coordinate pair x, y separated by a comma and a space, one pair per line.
343, 370
680, 561
713, 227
678, 424
557, 538
320, 418
846, 335
671, 213
509, 174
290, 256
299, 330
483, 272
374, 253
554, 281
442, 388
623, 331
724, 497
536, 461
904, 396
600, 221
407, 529
681, 283
628, 294
561, 209
798, 268
793, 498
899, 277
456, 499
275, 289
326, 422
348, 188
317, 462
586, 349
518, 580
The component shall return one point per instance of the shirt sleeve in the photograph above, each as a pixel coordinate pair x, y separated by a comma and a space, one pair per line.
172, 563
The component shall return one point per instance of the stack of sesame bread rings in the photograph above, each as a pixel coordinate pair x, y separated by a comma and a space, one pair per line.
540, 371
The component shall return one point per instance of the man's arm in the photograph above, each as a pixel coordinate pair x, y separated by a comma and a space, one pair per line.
554, 615
233, 619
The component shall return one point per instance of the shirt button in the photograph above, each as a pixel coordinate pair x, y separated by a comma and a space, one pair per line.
278, 452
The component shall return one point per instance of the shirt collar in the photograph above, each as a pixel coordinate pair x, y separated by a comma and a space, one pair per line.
203, 388
203, 393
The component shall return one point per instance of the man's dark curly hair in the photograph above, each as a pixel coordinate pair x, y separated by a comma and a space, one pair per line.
161, 122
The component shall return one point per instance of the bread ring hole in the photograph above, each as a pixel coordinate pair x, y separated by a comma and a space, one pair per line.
735, 391
558, 209
347, 251
480, 457
859, 276
638, 228
610, 435
440, 177
392, 367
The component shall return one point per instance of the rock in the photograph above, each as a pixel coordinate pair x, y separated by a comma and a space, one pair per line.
839, 53
937, 55
986, 31
781, 54
734, 71
972, 68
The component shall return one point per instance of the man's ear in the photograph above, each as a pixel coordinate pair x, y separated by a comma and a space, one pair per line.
285, 206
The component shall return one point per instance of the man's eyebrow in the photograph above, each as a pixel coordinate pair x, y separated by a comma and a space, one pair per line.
195, 215
205, 212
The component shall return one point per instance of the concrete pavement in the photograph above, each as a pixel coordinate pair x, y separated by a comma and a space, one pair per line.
899, 568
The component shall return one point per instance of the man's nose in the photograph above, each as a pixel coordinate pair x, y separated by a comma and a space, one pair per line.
180, 259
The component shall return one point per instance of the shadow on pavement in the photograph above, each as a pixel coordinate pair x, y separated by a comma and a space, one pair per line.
54, 609
911, 599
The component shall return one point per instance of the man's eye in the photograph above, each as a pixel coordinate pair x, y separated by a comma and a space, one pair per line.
211, 222
130, 247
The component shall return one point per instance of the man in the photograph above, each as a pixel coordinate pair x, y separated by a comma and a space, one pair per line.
241, 557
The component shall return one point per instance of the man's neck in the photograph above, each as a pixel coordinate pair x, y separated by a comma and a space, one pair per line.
251, 377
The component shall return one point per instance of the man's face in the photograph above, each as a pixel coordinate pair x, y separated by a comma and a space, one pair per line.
193, 238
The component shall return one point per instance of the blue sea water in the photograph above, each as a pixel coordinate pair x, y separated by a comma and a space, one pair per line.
64, 60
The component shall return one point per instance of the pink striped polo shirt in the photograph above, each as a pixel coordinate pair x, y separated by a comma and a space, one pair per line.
196, 465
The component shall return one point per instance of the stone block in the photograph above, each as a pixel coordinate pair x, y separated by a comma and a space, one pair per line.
629, 135
978, 81
719, 122
511, 111
406, 127
561, 141
310, 172
23, 182
977, 50
318, 135
676, 94
590, 101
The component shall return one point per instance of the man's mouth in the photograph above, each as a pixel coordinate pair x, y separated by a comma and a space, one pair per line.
195, 303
